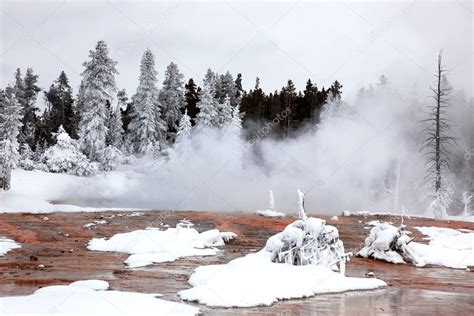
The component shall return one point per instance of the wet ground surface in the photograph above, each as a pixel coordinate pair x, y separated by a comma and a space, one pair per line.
59, 243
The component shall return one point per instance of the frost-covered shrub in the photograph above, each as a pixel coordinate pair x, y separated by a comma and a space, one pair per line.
41, 167
65, 157
308, 241
110, 157
129, 159
27, 158
389, 243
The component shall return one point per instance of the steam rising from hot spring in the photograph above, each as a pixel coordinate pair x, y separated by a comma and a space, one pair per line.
355, 159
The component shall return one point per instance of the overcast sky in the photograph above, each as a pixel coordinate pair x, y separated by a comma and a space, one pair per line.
353, 42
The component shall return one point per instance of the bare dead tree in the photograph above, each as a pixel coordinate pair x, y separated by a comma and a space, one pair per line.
436, 144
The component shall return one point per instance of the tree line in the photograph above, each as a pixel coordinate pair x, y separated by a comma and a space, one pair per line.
102, 115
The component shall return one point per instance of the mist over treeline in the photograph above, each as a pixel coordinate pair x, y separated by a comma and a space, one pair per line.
237, 144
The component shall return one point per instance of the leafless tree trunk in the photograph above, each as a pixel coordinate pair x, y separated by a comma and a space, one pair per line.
437, 141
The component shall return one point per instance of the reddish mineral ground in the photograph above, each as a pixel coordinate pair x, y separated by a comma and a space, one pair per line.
59, 243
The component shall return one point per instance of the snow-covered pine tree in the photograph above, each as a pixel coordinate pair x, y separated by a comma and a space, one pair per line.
184, 128
236, 121
115, 129
127, 113
61, 106
3, 105
115, 134
228, 89
334, 103
208, 115
98, 91
181, 150
171, 98
225, 111
239, 91
192, 98
26, 158
65, 157
18, 88
211, 78
233, 131
10, 125
147, 126
110, 157
26, 91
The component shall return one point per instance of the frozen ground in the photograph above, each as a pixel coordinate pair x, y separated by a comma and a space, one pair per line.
90, 297
6, 245
154, 245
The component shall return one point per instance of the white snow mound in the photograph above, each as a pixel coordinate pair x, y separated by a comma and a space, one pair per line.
153, 245
97, 285
82, 299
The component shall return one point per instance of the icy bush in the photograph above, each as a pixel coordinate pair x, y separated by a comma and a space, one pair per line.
64, 157
27, 158
389, 243
308, 241
110, 157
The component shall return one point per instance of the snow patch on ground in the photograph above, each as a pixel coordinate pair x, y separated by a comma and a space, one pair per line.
7, 244
153, 245
90, 298
270, 213
42, 192
94, 224
376, 222
96, 285
447, 247
255, 280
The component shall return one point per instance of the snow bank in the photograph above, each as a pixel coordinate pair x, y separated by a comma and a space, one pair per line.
153, 245
79, 299
41, 192
270, 213
447, 247
6, 245
255, 280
